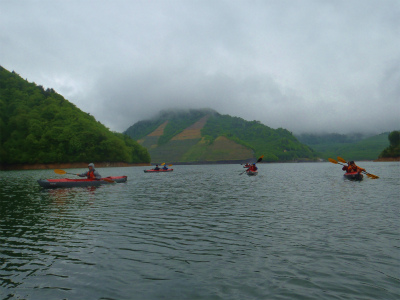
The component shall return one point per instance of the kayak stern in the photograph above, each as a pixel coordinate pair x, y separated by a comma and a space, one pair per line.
353, 176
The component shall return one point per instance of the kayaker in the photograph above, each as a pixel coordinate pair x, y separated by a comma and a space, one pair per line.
165, 167
156, 168
91, 174
352, 167
252, 168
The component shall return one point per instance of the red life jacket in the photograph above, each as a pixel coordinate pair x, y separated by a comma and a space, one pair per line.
253, 168
90, 175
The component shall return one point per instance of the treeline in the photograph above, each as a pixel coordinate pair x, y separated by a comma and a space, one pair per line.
275, 144
394, 148
40, 126
354, 146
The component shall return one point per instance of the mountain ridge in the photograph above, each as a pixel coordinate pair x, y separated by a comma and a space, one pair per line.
204, 135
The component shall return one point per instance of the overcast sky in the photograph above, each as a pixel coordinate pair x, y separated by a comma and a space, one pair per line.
304, 65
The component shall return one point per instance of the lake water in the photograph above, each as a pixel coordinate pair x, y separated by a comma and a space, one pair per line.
295, 231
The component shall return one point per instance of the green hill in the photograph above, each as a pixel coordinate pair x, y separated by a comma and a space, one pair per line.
40, 126
195, 136
352, 147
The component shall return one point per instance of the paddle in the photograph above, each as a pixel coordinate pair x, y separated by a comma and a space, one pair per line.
372, 176
258, 160
61, 172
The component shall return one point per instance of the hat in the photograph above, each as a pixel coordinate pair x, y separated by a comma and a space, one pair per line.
91, 165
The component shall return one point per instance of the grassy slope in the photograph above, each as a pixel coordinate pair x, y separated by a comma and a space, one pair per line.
221, 149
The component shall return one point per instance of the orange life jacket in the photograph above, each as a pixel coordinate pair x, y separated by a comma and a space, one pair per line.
354, 168
350, 169
90, 175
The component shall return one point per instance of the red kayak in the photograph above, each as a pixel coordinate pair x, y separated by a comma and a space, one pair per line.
353, 176
66, 182
158, 171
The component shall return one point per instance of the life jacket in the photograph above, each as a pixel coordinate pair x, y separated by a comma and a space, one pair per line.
90, 175
354, 168
253, 168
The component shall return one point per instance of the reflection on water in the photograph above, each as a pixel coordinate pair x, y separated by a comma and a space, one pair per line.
295, 231
63, 196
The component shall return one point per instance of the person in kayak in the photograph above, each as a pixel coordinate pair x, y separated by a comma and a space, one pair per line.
156, 168
165, 167
252, 168
352, 167
91, 174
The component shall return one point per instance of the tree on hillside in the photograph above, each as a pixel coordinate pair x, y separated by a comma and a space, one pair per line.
394, 148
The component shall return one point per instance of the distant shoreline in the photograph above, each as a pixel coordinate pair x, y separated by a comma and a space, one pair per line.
387, 159
68, 166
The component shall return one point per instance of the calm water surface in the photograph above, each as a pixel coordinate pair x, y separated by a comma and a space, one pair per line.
295, 231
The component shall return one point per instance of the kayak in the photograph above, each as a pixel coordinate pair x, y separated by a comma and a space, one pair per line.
353, 176
66, 182
158, 171
251, 173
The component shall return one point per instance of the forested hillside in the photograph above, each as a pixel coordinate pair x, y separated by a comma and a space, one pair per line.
207, 136
351, 146
40, 126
